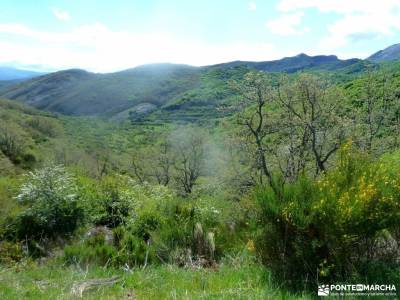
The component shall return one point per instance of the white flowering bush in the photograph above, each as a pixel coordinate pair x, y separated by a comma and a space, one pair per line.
50, 184
50, 197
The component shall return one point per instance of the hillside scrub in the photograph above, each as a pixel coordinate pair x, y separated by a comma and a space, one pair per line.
343, 227
151, 224
277, 182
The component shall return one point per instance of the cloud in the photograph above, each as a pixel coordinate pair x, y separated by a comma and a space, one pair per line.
252, 6
287, 24
339, 6
97, 48
61, 15
356, 18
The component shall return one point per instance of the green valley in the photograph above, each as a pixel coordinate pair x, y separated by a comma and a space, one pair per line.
242, 180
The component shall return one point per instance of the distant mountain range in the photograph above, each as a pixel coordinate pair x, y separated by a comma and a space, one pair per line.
163, 91
297, 63
8, 73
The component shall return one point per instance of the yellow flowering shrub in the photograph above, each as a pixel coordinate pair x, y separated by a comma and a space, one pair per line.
343, 225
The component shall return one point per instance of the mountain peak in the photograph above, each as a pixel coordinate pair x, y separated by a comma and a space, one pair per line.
388, 54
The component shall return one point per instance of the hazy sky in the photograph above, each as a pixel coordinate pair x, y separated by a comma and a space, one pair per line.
102, 35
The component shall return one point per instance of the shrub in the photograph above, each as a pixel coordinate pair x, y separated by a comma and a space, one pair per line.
115, 207
52, 209
110, 201
45, 125
11, 143
93, 251
151, 224
10, 252
127, 250
340, 228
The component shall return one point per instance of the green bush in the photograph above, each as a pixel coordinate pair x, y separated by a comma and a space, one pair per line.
11, 143
340, 228
126, 250
115, 207
111, 200
10, 252
155, 225
94, 251
50, 199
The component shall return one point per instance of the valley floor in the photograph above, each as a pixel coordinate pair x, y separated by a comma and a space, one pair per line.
163, 282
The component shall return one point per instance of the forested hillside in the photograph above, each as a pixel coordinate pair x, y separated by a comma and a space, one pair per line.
240, 180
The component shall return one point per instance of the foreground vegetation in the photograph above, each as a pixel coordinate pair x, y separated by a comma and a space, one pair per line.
297, 187
237, 280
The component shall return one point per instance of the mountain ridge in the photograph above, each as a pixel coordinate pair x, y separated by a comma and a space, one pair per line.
165, 90
390, 53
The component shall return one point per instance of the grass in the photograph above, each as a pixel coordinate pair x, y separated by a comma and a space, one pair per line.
155, 282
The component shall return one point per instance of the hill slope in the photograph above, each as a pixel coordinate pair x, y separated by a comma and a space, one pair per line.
77, 92
389, 54
167, 91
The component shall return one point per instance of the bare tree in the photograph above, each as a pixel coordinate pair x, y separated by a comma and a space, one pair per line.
137, 162
292, 148
315, 110
153, 164
189, 148
104, 162
177, 160
255, 94
161, 164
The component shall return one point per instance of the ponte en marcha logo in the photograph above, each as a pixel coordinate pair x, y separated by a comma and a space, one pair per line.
356, 290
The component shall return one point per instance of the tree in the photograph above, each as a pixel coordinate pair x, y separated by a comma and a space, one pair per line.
379, 108
294, 124
163, 164
255, 94
153, 164
315, 110
178, 159
189, 155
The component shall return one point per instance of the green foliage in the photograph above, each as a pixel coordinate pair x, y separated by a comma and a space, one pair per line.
341, 228
229, 281
94, 250
25, 135
8, 206
45, 125
115, 204
10, 253
51, 201
156, 225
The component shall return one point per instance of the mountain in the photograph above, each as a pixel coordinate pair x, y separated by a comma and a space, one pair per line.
389, 54
78, 92
7, 73
298, 63
158, 91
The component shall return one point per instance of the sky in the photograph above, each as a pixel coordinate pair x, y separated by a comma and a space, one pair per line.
106, 36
